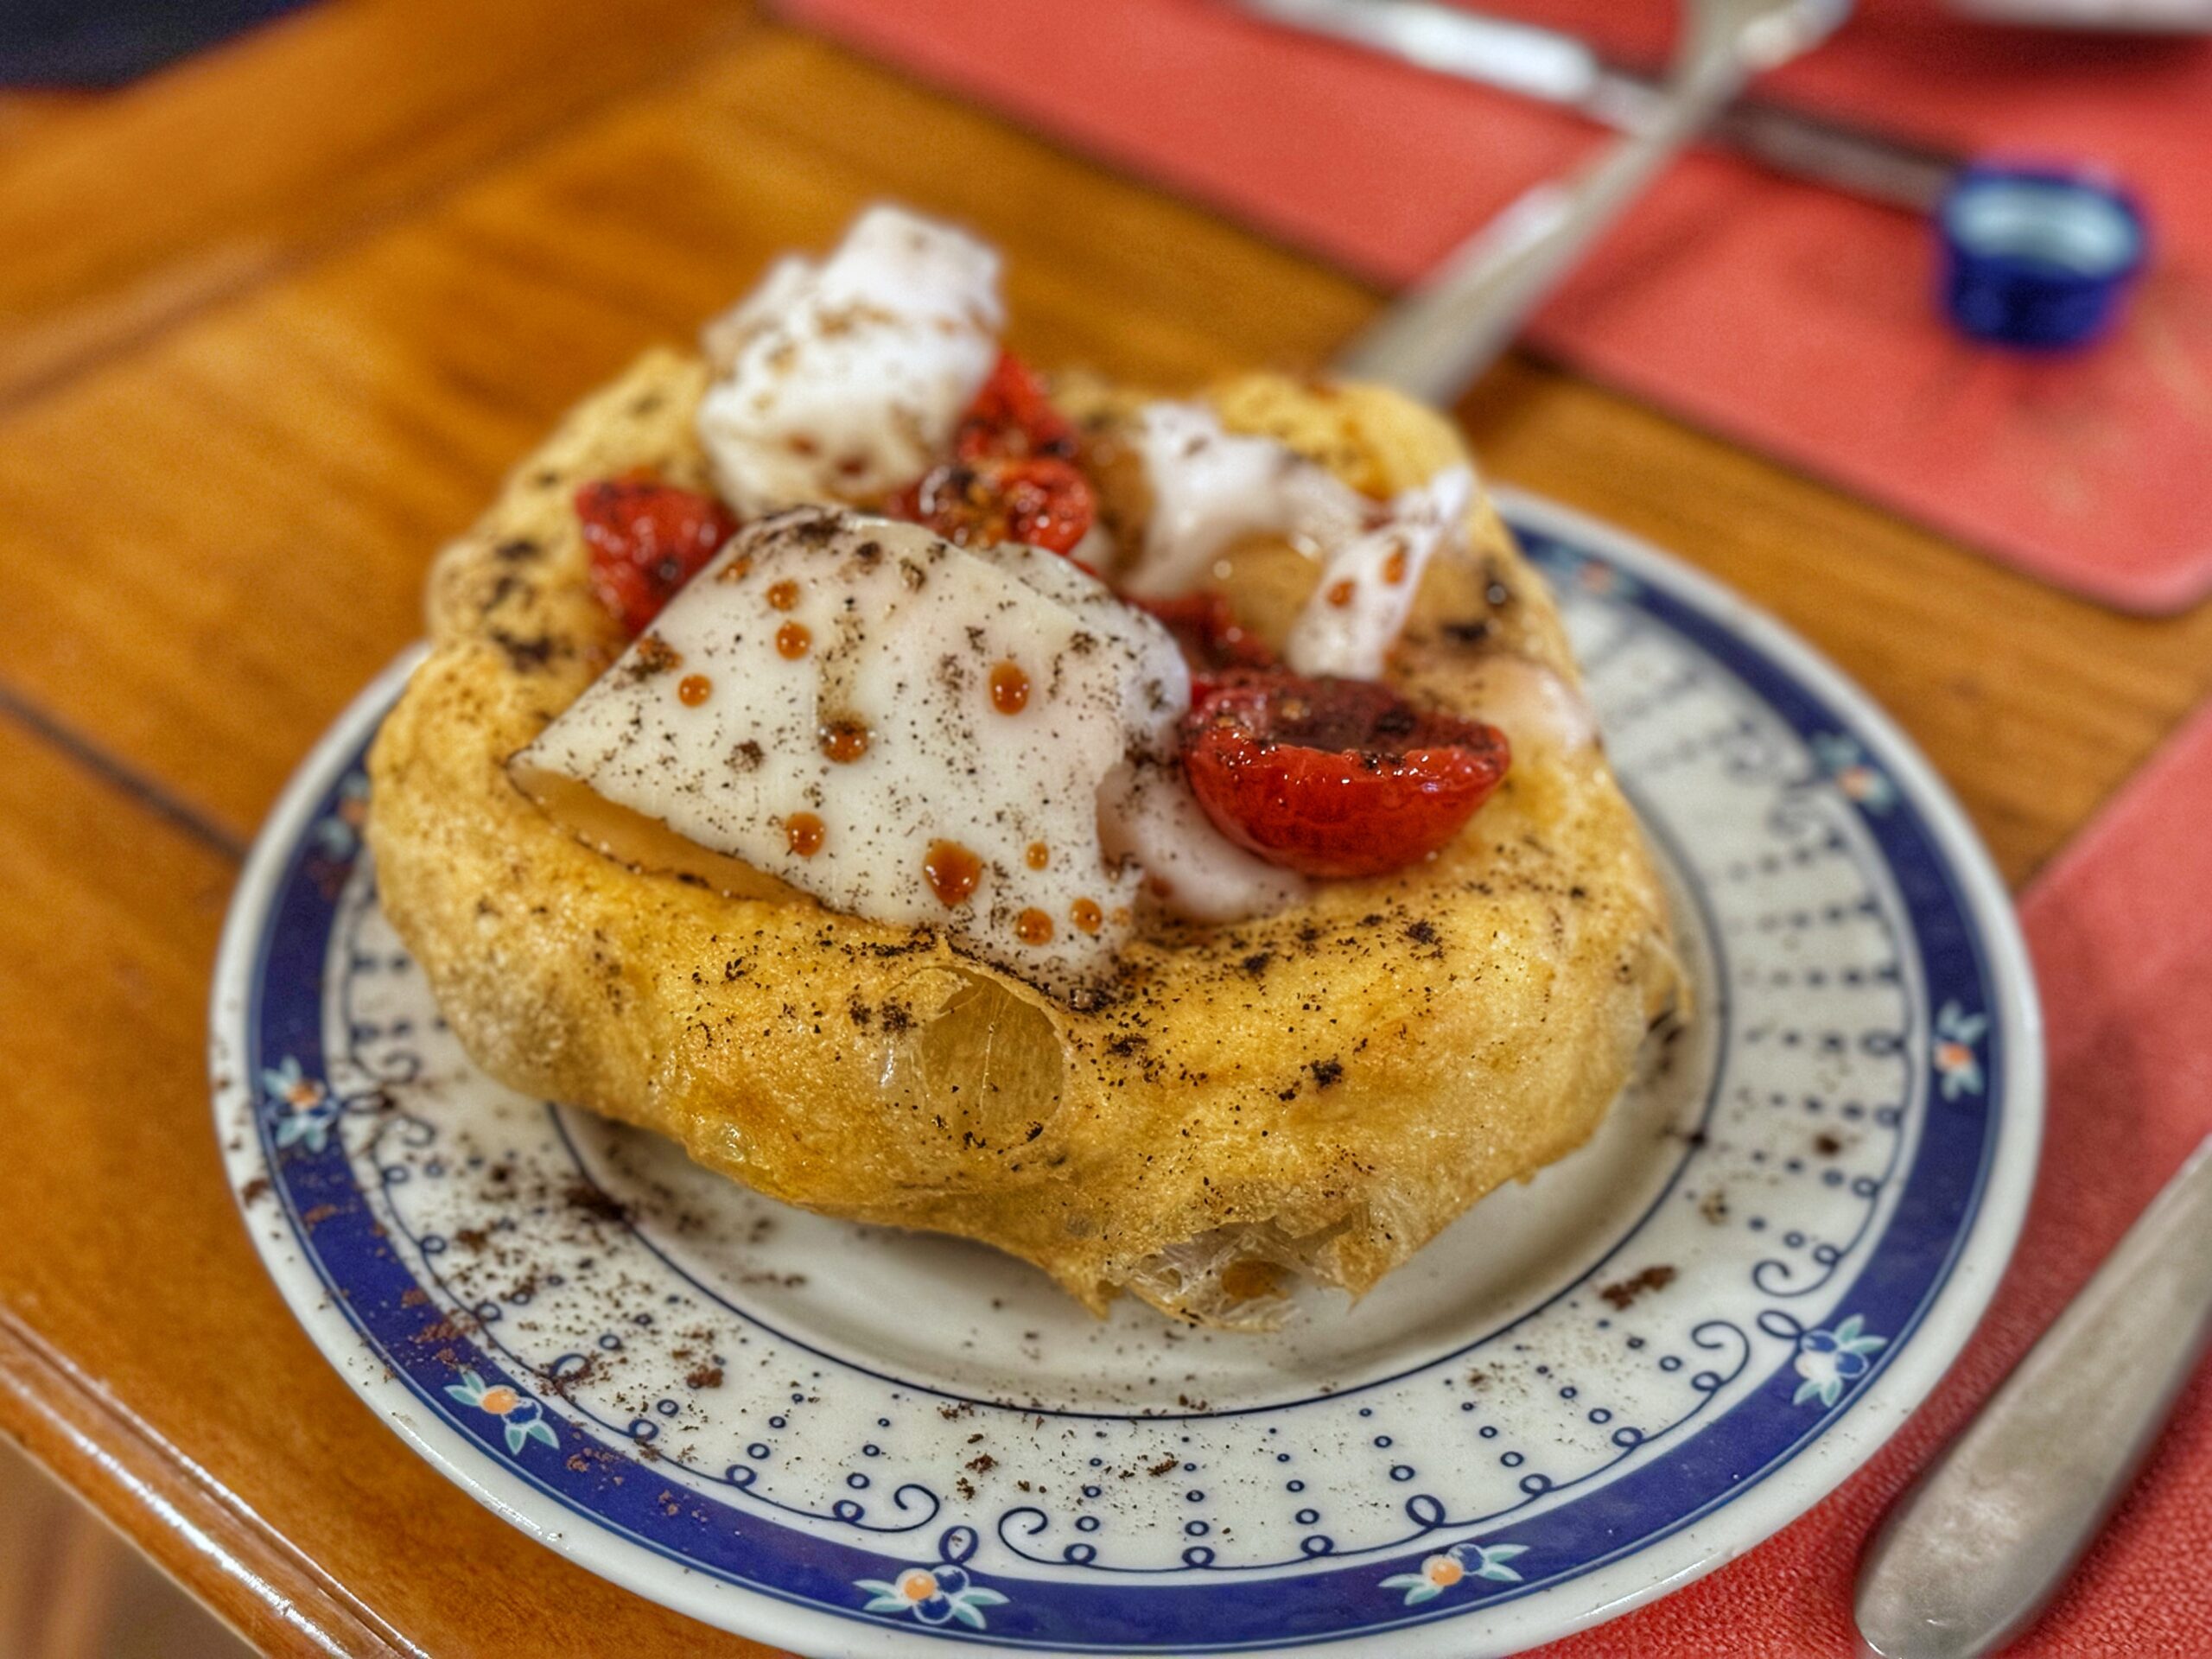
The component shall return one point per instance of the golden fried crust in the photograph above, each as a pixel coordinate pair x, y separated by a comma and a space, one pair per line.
1322, 1089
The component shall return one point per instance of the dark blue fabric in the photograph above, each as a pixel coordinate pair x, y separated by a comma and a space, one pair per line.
107, 42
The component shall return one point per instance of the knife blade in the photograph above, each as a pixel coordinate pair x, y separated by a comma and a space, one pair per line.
1557, 67
1969, 1556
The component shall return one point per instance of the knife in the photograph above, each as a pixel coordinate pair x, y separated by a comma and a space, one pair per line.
1564, 69
1969, 1556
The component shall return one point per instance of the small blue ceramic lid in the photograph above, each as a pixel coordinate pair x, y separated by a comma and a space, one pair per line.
2038, 258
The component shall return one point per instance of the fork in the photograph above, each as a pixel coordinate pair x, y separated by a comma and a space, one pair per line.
1436, 340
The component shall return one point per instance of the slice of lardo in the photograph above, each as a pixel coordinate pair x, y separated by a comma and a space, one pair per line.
841, 381
1211, 487
909, 731
1359, 607
1147, 813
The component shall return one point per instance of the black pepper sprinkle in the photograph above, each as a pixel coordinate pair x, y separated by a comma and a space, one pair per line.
654, 656
814, 526
524, 656
1624, 1293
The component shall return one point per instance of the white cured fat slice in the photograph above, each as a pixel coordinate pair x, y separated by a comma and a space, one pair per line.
819, 703
1193, 870
1358, 608
1211, 487
843, 381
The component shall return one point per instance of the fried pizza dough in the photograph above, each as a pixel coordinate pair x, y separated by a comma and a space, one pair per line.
1313, 1094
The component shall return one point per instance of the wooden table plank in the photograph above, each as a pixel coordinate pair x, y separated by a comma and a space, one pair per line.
301, 451
24, 113
143, 1353
135, 207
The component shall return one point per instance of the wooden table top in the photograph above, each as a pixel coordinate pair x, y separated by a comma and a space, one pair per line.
272, 325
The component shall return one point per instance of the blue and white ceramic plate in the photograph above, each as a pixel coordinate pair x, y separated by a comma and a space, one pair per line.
850, 1441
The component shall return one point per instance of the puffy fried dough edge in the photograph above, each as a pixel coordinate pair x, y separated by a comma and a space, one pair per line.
1320, 1091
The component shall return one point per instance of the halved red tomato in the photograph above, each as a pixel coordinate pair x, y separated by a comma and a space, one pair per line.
647, 539
1045, 503
1334, 778
1013, 477
1012, 419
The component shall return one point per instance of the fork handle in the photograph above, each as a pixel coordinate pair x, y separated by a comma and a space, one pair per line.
1433, 343
1971, 1555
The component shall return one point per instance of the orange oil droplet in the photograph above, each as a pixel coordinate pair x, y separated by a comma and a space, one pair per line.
1037, 856
952, 872
1034, 927
792, 640
783, 595
1340, 593
802, 833
1084, 914
1009, 688
844, 741
694, 689
1394, 568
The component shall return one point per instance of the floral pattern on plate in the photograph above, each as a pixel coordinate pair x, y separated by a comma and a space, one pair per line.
1462, 1562
1831, 1361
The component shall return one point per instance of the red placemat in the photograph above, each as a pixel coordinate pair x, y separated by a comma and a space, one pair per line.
1790, 319
2121, 932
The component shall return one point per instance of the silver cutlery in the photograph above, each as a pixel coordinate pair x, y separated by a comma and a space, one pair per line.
1560, 68
1435, 341
1970, 1556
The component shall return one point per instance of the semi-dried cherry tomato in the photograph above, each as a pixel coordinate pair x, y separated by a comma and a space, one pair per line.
1046, 503
1013, 477
1012, 419
1334, 778
647, 539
